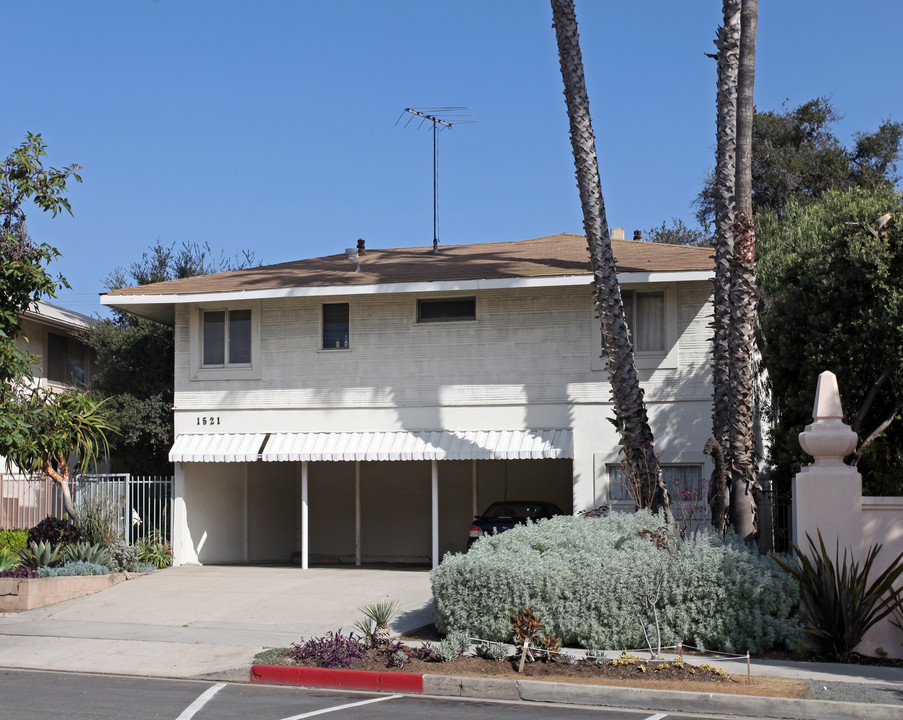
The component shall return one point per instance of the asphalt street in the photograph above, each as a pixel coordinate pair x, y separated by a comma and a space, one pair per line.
30, 695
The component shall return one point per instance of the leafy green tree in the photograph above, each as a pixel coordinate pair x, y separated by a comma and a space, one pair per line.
678, 233
40, 430
797, 156
134, 369
832, 273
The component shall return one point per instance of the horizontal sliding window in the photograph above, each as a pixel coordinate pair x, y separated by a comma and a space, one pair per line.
446, 310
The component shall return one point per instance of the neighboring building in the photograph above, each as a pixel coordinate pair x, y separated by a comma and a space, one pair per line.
363, 408
54, 335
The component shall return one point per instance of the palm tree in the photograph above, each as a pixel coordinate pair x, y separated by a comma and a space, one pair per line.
630, 411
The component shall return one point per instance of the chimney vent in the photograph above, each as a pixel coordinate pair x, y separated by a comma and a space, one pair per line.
360, 247
638, 235
617, 233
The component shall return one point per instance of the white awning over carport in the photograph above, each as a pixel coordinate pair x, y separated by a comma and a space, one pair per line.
424, 445
217, 447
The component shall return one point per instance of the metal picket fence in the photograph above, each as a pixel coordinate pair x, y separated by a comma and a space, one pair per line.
144, 502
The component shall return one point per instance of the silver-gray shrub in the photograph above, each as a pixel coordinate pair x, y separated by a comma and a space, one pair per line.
74, 567
583, 578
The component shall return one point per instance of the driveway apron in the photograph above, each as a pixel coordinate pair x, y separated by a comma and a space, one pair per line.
194, 621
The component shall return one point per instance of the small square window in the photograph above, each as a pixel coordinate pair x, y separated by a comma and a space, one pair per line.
446, 310
335, 326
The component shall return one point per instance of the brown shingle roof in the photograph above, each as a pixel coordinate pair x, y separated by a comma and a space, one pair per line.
554, 255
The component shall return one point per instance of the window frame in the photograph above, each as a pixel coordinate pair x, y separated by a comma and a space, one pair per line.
323, 346
649, 359
71, 344
226, 371
418, 319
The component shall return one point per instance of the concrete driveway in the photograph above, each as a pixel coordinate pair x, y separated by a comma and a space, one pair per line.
193, 621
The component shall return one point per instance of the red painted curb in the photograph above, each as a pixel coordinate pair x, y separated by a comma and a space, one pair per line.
337, 679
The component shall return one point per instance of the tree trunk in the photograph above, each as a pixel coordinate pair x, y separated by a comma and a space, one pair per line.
61, 478
630, 410
728, 44
742, 456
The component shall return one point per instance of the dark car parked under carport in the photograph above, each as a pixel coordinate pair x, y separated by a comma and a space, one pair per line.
501, 516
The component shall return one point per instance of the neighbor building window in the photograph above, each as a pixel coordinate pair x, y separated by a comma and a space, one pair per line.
67, 360
335, 326
645, 313
226, 338
446, 310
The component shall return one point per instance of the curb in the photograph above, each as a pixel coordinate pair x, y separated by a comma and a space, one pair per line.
571, 693
337, 679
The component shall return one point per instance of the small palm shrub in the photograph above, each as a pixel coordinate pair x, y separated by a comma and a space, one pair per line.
377, 617
584, 578
838, 601
55, 531
43, 554
74, 567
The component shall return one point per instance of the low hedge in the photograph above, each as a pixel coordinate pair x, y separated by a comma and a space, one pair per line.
584, 578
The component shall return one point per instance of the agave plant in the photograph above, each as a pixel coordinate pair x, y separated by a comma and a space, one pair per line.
9, 559
42, 554
839, 604
378, 616
86, 552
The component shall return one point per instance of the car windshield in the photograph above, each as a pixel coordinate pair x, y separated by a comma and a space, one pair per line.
498, 511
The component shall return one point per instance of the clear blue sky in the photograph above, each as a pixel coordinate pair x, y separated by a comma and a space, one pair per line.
271, 125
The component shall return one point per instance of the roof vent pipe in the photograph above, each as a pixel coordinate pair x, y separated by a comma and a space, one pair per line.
360, 247
351, 253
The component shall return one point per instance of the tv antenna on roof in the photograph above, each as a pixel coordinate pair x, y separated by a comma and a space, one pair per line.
441, 118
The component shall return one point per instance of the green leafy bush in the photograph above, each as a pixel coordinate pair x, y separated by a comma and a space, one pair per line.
153, 550
98, 519
585, 576
74, 567
839, 603
9, 559
15, 540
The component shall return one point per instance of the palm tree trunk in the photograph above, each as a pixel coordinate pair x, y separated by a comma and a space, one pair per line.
728, 44
630, 410
743, 460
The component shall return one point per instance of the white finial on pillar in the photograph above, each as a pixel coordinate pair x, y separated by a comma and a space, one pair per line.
828, 439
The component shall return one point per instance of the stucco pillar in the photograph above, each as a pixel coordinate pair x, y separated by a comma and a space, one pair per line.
357, 513
305, 525
183, 552
827, 495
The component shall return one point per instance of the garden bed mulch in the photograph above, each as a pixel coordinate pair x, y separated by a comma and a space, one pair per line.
637, 672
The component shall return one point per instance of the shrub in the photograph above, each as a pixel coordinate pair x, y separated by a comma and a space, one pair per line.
15, 540
582, 577
839, 603
74, 567
9, 559
145, 568
98, 519
19, 572
54, 530
153, 550
124, 557
333, 650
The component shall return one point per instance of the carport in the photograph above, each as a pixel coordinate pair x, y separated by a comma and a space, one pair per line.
435, 459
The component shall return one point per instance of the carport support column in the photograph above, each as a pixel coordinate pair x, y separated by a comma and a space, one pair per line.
435, 499
357, 512
305, 527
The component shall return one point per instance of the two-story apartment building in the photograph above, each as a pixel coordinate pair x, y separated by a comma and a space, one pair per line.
362, 408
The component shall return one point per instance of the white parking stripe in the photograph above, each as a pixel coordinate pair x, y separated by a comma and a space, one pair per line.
202, 700
660, 716
341, 707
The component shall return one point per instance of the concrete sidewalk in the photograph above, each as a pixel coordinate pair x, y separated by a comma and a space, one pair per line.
192, 621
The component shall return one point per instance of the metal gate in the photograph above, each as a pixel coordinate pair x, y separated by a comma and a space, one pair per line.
145, 502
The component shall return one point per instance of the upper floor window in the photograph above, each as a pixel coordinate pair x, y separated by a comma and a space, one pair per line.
226, 338
335, 326
645, 313
225, 342
67, 361
446, 310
